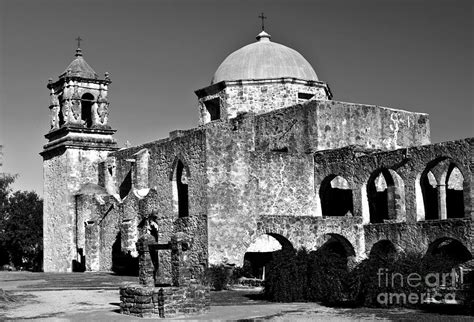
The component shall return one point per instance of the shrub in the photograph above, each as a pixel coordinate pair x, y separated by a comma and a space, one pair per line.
324, 276
330, 280
217, 276
286, 279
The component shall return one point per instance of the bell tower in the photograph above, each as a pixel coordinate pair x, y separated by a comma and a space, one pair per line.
79, 138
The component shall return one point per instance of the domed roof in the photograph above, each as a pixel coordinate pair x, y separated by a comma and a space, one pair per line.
79, 67
264, 59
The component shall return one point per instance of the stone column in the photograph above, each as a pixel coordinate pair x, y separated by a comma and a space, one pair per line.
361, 203
92, 246
442, 212
146, 268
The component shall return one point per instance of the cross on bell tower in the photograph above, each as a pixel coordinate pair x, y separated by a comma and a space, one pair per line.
79, 39
263, 20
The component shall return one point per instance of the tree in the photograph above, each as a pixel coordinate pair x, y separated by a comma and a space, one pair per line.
21, 226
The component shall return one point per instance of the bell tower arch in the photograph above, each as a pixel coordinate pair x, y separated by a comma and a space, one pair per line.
79, 138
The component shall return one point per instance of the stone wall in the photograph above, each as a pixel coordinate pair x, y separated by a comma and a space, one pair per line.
166, 302
64, 175
322, 125
418, 237
357, 165
259, 96
144, 202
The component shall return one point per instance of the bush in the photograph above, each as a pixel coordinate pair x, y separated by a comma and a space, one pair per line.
286, 279
324, 276
217, 276
330, 280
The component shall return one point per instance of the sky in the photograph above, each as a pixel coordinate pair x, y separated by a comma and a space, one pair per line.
414, 55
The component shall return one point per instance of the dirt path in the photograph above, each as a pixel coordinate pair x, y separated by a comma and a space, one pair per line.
95, 297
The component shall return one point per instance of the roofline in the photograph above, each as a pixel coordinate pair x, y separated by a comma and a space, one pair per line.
217, 87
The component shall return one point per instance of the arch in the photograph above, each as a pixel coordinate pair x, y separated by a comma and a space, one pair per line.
442, 187
383, 249
172, 169
386, 196
454, 192
335, 243
260, 252
60, 114
336, 196
179, 180
87, 100
449, 248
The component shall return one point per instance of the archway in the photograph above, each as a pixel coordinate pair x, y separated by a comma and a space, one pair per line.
430, 195
261, 252
454, 193
449, 250
180, 179
86, 108
384, 250
442, 187
386, 196
336, 196
337, 249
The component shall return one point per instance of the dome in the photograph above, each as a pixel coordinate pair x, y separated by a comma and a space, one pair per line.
262, 60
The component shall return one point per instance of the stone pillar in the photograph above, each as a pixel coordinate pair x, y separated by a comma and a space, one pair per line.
391, 204
140, 170
129, 234
442, 212
317, 197
92, 246
176, 262
146, 269
361, 203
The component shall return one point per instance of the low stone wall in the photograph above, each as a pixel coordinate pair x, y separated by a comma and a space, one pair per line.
163, 302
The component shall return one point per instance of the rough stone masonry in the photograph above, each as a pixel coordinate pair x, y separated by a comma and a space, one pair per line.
275, 162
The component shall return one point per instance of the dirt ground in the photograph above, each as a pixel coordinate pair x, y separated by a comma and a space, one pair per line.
95, 297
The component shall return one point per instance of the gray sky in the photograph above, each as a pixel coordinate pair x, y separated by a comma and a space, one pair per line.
415, 55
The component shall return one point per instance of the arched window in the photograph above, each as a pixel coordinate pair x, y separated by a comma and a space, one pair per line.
386, 194
429, 188
454, 193
180, 189
336, 196
61, 116
442, 187
86, 108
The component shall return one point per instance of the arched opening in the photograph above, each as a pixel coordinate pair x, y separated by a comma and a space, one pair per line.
384, 250
180, 189
386, 194
86, 108
335, 251
446, 253
126, 185
336, 196
442, 187
261, 252
430, 195
123, 263
336, 244
454, 193
60, 114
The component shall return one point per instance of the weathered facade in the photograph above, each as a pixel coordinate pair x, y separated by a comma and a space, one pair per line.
274, 155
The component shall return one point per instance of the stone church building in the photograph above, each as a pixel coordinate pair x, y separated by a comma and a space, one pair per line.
275, 161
